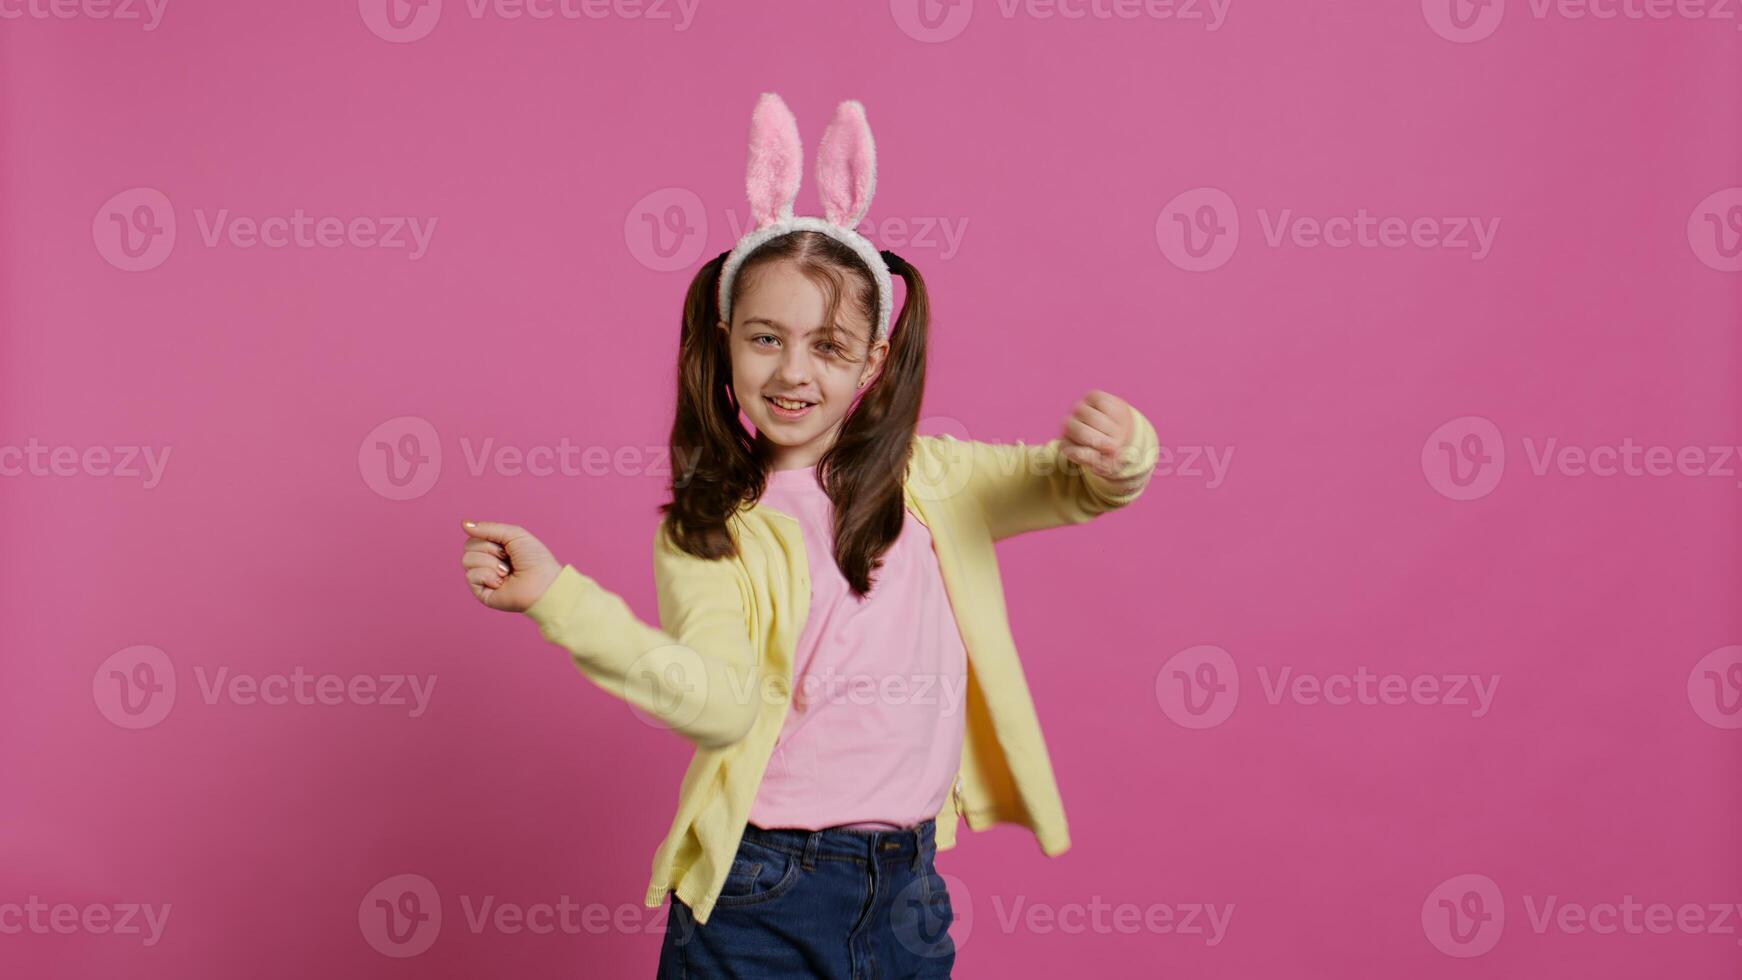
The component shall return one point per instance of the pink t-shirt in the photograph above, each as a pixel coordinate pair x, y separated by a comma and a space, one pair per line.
873, 737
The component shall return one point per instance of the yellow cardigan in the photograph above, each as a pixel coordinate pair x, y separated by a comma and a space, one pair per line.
720, 671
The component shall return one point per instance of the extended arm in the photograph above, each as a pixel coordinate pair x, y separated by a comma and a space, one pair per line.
1020, 487
698, 675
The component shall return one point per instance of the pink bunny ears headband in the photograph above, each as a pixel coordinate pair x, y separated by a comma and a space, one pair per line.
846, 176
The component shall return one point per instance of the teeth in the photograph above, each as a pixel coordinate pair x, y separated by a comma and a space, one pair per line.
783, 403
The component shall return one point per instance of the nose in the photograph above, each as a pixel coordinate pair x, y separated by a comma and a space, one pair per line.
794, 368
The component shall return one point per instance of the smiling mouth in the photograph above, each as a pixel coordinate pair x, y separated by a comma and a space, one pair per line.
784, 409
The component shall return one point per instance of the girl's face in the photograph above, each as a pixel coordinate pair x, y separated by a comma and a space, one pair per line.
779, 351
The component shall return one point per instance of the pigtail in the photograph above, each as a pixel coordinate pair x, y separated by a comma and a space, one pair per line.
865, 469
712, 457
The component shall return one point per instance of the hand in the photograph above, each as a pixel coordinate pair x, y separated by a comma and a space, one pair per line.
507, 568
1097, 433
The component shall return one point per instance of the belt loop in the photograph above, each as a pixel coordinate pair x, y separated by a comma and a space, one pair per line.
809, 861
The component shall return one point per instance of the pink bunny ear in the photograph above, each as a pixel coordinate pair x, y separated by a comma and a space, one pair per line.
776, 161
847, 166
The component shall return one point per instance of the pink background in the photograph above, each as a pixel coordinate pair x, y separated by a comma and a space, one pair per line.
544, 310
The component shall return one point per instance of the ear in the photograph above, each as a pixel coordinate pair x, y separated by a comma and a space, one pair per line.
776, 161
874, 359
847, 166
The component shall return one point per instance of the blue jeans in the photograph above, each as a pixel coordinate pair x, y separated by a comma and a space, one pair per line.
832, 903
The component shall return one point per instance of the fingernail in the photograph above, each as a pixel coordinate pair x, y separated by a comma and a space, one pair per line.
503, 567
471, 523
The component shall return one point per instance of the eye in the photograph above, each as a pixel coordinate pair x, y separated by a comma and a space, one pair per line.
761, 336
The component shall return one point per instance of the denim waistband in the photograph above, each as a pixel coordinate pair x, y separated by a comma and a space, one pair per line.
860, 843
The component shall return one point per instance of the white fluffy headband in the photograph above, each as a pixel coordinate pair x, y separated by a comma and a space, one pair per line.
846, 177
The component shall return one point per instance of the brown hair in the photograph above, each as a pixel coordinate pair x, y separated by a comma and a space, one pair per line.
863, 471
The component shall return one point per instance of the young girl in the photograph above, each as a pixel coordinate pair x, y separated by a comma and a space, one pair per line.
831, 543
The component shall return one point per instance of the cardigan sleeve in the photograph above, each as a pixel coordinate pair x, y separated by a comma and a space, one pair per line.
1020, 487
697, 675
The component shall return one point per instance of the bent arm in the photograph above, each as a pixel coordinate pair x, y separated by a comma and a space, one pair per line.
1021, 487
699, 679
